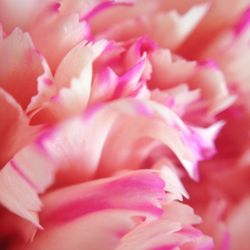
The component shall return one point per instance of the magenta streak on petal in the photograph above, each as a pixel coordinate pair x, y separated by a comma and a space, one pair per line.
136, 92
128, 77
23, 176
55, 7
143, 109
95, 203
208, 63
243, 23
87, 34
55, 98
190, 231
225, 244
144, 44
92, 110
41, 140
120, 234
107, 77
170, 102
141, 182
101, 7
139, 193
47, 81
166, 247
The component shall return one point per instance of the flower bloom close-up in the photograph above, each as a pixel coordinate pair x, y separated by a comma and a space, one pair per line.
124, 124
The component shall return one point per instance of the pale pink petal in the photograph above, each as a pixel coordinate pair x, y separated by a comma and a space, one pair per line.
20, 66
80, 57
146, 122
209, 28
27, 174
100, 230
163, 234
17, 195
172, 231
196, 140
178, 212
136, 144
14, 13
109, 13
65, 32
141, 191
14, 128
69, 145
180, 99
231, 51
45, 88
35, 166
176, 26
238, 225
173, 183
150, 236
166, 69
91, 215
72, 82
141, 126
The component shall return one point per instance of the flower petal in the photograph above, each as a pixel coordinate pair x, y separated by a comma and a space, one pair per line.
22, 68
14, 128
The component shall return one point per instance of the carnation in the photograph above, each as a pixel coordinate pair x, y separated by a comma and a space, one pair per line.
125, 125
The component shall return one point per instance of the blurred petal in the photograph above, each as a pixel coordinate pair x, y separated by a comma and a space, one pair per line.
20, 66
176, 26
66, 32
238, 225
17, 195
231, 51
29, 173
14, 128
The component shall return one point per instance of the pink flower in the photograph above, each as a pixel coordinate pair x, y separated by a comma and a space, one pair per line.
119, 119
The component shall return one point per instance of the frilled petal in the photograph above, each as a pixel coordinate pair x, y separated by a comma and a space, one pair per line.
132, 126
27, 174
231, 51
108, 85
45, 88
21, 65
65, 31
213, 85
176, 26
181, 99
17, 195
72, 83
174, 187
172, 231
95, 218
166, 71
209, 28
